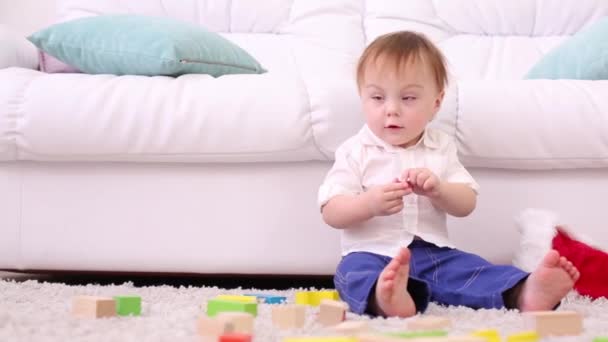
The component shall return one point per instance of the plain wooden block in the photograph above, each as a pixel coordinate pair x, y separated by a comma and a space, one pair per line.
429, 323
93, 307
380, 338
214, 327
332, 312
352, 327
242, 321
556, 323
288, 316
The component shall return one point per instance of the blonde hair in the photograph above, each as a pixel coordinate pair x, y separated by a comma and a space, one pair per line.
401, 48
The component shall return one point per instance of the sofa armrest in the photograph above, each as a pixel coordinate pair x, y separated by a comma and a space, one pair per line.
16, 51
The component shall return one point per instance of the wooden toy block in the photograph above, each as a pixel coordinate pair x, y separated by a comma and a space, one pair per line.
215, 306
235, 337
321, 339
352, 327
237, 298
556, 323
288, 316
379, 338
93, 307
314, 298
332, 312
444, 338
490, 335
242, 322
268, 299
429, 323
128, 305
527, 336
214, 327
418, 334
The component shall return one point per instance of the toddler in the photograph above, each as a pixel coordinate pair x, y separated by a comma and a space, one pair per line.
391, 187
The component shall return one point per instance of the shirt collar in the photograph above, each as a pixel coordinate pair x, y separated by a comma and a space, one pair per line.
370, 139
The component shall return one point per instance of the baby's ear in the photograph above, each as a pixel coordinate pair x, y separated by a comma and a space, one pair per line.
439, 99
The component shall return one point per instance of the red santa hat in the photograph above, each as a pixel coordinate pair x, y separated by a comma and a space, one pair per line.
541, 231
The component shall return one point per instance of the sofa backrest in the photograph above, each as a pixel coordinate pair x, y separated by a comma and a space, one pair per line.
487, 39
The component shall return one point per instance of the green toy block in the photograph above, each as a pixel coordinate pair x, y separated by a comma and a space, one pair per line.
600, 339
128, 305
418, 334
215, 306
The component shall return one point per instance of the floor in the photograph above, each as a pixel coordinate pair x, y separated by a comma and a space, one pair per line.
222, 281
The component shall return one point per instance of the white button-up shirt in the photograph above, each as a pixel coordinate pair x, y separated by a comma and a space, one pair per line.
365, 160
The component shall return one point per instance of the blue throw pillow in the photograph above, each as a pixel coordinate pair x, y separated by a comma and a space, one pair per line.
584, 56
140, 45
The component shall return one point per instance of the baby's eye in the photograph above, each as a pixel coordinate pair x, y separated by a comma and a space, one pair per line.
408, 98
377, 97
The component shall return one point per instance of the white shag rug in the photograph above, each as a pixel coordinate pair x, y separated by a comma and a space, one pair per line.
38, 311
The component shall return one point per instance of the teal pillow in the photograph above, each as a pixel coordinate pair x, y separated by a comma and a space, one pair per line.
140, 45
584, 56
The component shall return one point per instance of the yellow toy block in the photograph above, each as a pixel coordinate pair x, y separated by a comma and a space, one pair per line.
491, 335
314, 298
237, 298
528, 336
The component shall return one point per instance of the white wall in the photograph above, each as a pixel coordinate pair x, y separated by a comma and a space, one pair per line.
26, 16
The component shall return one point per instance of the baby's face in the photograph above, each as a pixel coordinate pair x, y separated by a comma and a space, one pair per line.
398, 104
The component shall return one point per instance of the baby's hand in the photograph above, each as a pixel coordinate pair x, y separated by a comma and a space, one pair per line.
422, 181
387, 199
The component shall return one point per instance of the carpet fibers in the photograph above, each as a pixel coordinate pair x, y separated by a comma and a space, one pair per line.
39, 311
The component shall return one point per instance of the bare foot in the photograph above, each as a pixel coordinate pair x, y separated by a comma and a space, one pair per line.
548, 284
392, 298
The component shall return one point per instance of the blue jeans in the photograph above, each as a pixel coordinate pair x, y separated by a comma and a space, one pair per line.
443, 275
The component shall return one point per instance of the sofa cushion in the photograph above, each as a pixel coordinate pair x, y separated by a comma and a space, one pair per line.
536, 124
583, 57
143, 45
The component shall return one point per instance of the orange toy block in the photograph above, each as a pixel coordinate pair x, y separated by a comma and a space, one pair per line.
213, 327
289, 316
429, 323
332, 312
235, 337
556, 323
93, 307
242, 322
352, 328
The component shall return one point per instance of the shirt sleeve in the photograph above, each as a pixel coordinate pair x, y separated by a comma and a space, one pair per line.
344, 178
455, 172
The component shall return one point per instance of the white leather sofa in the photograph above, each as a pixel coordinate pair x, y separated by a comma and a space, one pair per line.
203, 175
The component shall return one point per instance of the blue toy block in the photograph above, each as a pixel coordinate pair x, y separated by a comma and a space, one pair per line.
268, 299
